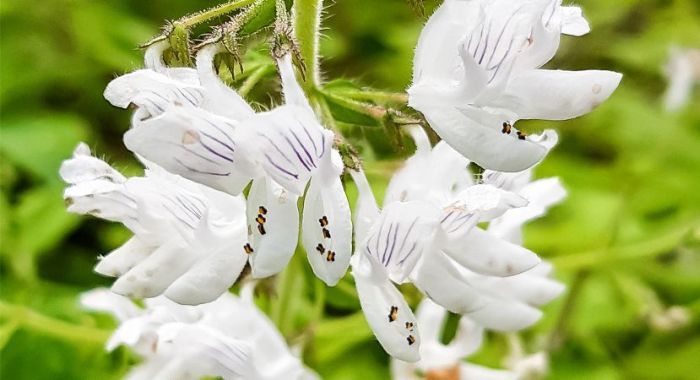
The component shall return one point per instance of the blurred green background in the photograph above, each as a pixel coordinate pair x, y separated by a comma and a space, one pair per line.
626, 241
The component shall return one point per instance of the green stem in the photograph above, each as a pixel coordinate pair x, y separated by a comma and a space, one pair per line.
307, 22
212, 13
254, 78
53, 327
381, 97
606, 256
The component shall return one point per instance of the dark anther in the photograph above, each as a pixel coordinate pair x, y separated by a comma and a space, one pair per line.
393, 313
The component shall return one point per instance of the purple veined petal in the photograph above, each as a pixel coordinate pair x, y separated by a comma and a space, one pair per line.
558, 94
486, 201
401, 235
327, 229
152, 90
293, 93
385, 309
273, 227
437, 55
154, 274
195, 144
484, 253
439, 278
289, 144
218, 97
122, 259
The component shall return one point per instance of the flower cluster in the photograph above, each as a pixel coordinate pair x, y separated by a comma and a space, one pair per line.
223, 182
228, 337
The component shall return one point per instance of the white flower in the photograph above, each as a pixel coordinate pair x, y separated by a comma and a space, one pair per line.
206, 132
477, 72
228, 337
188, 239
683, 72
427, 234
445, 361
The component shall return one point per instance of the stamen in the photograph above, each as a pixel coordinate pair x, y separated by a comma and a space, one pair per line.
262, 210
521, 135
323, 221
331, 256
248, 249
260, 219
411, 339
409, 326
507, 127
326, 233
393, 314
261, 229
320, 248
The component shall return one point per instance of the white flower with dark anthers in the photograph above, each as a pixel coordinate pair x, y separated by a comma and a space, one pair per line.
218, 140
477, 71
189, 240
446, 361
427, 234
683, 72
228, 337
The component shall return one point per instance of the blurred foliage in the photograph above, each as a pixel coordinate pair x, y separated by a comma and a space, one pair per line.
626, 241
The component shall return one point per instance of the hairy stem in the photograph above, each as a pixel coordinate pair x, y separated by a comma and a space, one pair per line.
307, 22
212, 13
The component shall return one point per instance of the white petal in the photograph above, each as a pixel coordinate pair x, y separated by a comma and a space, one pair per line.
403, 233
437, 54
273, 226
487, 254
385, 309
505, 315
211, 276
195, 144
529, 288
366, 209
120, 260
441, 281
293, 93
430, 174
84, 167
200, 351
103, 199
153, 275
219, 98
483, 144
573, 22
558, 94
151, 91
289, 143
486, 201
103, 300
541, 194
327, 229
